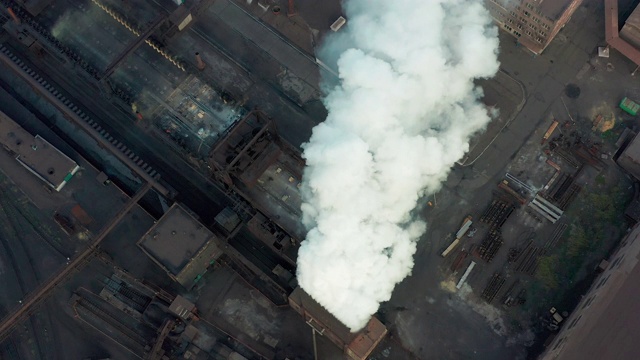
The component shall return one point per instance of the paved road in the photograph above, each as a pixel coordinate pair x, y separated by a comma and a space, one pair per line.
448, 327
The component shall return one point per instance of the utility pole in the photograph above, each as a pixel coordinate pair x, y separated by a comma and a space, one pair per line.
315, 344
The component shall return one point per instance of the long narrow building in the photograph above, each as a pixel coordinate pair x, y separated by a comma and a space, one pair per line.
36, 154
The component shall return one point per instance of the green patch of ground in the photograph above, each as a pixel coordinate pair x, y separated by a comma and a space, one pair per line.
597, 226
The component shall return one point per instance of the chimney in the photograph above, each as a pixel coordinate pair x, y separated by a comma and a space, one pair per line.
13, 16
199, 63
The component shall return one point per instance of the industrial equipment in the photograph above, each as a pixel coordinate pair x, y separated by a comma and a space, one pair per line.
466, 224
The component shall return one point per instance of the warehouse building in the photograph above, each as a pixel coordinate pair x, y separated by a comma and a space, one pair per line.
605, 322
625, 40
357, 346
36, 154
533, 22
181, 245
264, 169
629, 158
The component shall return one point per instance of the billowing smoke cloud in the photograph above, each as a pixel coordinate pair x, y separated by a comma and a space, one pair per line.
402, 115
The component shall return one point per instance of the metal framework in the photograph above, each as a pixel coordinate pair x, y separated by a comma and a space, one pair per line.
133, 46
32, 300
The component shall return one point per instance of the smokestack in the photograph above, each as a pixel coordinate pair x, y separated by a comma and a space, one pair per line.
401, 117
13, 15
199, 63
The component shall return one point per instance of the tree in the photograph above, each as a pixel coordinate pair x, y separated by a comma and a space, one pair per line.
577, 242
546, 273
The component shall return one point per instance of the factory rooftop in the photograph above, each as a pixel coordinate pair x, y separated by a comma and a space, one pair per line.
629, 159
264, 168
624, 40
552, 9
358, 345
36, 154
181, 245
631, 29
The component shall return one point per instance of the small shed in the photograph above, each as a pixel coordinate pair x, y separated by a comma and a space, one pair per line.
629, 106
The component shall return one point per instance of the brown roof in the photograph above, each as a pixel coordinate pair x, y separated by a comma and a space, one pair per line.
321, 315
553, 9
181, 244
357, 345
367, 339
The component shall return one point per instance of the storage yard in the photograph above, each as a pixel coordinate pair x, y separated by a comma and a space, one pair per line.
151, 174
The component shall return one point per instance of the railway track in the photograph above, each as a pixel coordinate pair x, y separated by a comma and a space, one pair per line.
85, 122
22, 263
40, 293
15, 213
196, 191
100, 309
86, 310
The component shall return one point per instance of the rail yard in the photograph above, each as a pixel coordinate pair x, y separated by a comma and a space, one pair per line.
151, 173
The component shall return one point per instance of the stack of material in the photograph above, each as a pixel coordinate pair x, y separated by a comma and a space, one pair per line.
527, 261
546, 209
494, 286
491, 244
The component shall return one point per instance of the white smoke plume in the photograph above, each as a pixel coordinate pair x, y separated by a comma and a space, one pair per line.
402, 115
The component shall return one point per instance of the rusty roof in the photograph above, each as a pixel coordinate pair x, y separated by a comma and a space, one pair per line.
358, 345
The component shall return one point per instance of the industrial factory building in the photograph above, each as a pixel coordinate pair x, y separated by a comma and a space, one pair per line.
605, 322
181, 245
357, 346
533, 22
627, 39
253, 161
629, 158
36, 154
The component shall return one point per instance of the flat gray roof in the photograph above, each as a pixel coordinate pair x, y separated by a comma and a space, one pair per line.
36, 154
175, 239
606, 322
631, 29
630, 158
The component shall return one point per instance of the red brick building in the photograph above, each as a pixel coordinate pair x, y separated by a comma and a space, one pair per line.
533, 22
